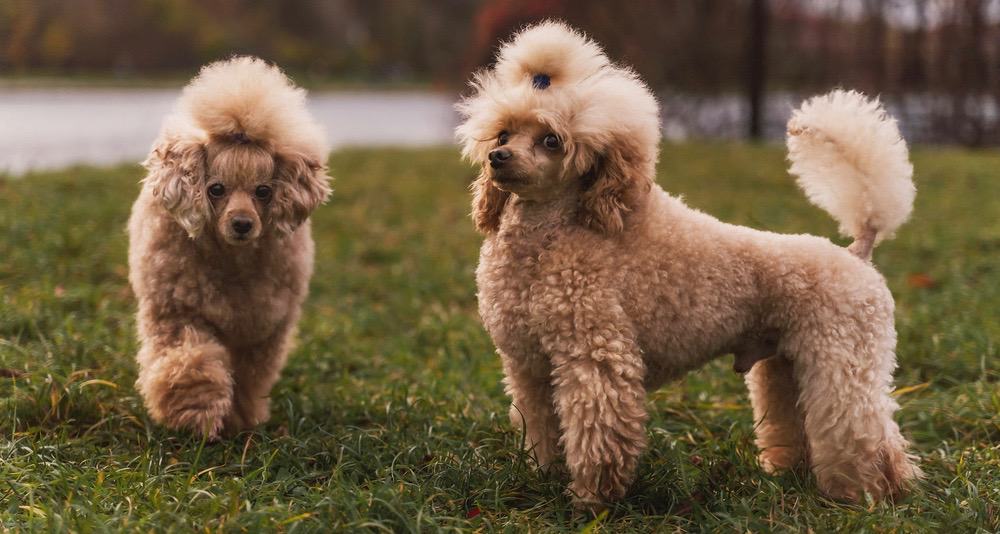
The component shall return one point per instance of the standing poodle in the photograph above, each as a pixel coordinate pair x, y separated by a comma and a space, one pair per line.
597, 286
220, 250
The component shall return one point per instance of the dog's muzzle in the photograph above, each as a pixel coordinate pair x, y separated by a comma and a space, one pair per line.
500, 156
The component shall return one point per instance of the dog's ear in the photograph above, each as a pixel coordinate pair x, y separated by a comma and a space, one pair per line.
488, 201
177, 180
612, 187
301, 185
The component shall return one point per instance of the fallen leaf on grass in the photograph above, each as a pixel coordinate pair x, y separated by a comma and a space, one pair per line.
10, 373
920, 281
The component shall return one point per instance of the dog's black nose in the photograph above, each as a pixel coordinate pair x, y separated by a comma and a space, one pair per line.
499, 156
242, 225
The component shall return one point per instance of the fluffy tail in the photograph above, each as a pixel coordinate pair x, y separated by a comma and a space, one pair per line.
851, 161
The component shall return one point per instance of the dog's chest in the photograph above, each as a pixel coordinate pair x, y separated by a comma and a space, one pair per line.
507, 280
249, 307
248, 315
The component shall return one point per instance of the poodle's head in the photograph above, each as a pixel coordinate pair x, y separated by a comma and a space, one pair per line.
554, 119
240, 156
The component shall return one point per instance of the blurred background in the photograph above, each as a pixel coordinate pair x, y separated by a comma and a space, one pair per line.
87, 81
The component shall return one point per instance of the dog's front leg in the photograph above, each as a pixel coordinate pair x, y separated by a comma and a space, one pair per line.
255, 371
597, 374
185, 378
527, 378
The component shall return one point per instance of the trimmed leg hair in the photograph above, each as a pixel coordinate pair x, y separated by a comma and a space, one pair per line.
774, 396
528, 382
597, 374
845, 381
187, 384
255, 375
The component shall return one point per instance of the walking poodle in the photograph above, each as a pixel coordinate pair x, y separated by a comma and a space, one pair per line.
597, 286
220, 250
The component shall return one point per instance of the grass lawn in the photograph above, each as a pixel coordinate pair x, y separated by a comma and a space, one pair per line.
391, 416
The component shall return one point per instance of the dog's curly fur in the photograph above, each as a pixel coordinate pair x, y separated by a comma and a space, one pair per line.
597, 286
220, 250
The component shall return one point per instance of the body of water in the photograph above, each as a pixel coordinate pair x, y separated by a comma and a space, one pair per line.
53, 128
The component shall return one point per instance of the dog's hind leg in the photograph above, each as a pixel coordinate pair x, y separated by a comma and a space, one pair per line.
186, 380
843, 365
774, 397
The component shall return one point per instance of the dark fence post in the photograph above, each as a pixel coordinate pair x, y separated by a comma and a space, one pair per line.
757, 67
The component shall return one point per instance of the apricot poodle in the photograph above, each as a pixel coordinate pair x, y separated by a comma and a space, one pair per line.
598, 287
220, 251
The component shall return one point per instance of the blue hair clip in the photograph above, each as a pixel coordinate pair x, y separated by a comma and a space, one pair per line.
541, 81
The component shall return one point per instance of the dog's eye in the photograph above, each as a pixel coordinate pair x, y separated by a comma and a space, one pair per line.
503, 138
551, 142
216, 190
263, 192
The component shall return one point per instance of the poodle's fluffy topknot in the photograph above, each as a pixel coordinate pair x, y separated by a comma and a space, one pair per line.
564, 54
247, 97
555, 75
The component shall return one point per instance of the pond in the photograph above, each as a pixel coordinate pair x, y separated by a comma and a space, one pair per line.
53, 128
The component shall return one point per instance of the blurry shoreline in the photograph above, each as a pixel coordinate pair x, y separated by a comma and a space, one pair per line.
61, 122
179, 79
48, 128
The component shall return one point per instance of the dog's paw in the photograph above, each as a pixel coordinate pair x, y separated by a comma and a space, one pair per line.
588, 505
776, 459
587, 499
888, 473
244, 417
206, 418
197, 405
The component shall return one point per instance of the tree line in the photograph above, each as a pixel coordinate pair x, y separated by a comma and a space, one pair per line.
936, 61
